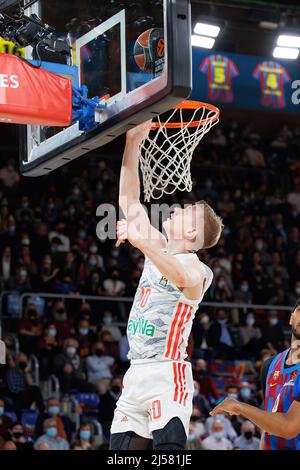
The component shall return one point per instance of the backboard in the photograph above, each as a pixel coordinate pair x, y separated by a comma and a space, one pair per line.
136, 53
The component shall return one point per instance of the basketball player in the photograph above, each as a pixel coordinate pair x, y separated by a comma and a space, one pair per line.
154, 409
280, 421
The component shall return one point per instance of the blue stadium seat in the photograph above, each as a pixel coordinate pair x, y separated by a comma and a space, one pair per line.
12, 415
89, 400
28, 419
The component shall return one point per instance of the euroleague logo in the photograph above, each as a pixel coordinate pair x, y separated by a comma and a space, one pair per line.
161, 48
9, 81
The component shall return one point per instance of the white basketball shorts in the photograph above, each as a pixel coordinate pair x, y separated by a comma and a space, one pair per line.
153, 393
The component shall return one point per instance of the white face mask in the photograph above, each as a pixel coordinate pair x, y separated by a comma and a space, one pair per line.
273, 321
250, 321
71, 351
218, 435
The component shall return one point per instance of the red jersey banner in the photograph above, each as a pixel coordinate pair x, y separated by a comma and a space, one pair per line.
272, 77
220, 71
32, 95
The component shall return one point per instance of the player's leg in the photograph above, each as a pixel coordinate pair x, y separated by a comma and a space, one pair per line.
170, 437
129, 441
130, 427
170, 407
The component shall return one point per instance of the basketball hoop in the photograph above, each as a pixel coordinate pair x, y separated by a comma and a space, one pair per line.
166, 155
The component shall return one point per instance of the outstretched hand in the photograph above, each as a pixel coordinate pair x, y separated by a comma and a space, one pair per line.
132, 231
141, 132
229, 405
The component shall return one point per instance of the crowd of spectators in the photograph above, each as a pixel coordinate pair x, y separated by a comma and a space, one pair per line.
48, 244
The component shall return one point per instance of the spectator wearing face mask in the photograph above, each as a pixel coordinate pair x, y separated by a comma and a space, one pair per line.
113, 285
206, 383
243, 294
84, 437
5, 424
246, 394
200, 331
47, 350
220, 336
221, 291
64, 425
51, 436
69, 369
99, 368
232, 391
107, 325
20, 386
108, 404
247, 440
272, 333
94, 250
216, 439
85, 338
64, 326
196, 431
19, 438
228, 429
251, 337
31, 329
21, 281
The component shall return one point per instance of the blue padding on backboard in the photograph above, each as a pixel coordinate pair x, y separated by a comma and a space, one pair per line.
67, 71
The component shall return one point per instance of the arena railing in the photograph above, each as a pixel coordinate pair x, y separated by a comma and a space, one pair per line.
120, 306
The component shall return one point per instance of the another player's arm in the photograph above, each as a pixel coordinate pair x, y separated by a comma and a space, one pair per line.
286, 425
262, 441
129, 191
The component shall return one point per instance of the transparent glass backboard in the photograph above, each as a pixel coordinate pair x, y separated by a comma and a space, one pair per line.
134, 56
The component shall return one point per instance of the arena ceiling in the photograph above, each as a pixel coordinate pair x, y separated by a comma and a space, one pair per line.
248, 27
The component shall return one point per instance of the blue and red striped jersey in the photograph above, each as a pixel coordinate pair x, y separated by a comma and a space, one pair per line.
282, 388
272, 77
220, 71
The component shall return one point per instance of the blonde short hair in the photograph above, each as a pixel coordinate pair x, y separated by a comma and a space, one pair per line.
213, 226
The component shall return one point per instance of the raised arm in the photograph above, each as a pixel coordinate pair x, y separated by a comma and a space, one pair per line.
129, 193
129, 179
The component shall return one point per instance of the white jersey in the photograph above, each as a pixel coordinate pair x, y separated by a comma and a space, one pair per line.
161, 317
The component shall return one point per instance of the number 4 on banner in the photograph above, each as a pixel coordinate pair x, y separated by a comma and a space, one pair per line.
2, 352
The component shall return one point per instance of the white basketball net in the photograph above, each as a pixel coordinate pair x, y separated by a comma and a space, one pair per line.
165, 159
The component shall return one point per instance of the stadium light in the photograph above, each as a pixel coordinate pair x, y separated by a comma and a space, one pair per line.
205, 29
286, 53
287, 40
202, 41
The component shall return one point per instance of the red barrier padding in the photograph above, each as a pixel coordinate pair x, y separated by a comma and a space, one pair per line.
32, 95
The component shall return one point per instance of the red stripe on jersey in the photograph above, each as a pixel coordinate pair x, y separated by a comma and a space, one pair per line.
182, 332
267, 445
179, 327
184, 384
185, 397
173, 326
175, 381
